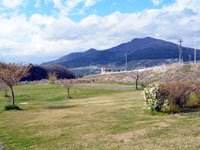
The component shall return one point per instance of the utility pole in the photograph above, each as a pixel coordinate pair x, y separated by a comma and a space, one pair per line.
189, 58
90, 70
195, 49
195, 46
180, 52
126, 64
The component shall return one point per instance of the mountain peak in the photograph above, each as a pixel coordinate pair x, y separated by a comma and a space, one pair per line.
143, 39
90, 51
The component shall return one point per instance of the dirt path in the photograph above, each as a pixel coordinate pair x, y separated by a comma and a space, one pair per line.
104, 87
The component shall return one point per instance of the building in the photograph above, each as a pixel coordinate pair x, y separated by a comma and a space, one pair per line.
110, 70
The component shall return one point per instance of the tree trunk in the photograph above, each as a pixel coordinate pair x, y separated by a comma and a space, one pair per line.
68, 92
68, 95
136, 84
13, 96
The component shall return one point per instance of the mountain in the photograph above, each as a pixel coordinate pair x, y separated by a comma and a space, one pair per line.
71, 56
138, 49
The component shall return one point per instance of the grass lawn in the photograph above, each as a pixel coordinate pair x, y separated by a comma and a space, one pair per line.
120, 84
95, 119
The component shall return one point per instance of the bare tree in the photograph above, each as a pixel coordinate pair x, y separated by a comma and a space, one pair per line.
137, 75
52, 77
68, 84
11, 74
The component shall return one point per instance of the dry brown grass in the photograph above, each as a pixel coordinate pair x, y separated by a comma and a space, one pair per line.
112, 121
164, 73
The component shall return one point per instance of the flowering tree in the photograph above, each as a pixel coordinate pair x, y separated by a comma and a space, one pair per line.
68, 84
52, 77
11, 74
150, 96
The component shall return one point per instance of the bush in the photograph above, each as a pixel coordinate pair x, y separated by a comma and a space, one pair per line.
193, 101
143, 85
150, 95
172, 97
12, 107
197, 89
172, 109
176, 93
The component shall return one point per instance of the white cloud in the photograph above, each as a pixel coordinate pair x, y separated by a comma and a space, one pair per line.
58, 3
12, 3
38, 19
89, 3
43, 38
37, 4
65, 7
157, 2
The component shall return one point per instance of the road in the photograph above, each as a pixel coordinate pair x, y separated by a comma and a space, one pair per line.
104, 87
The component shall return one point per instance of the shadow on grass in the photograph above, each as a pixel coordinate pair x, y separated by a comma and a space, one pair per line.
61, 107
190, 111
185, 111
12, 107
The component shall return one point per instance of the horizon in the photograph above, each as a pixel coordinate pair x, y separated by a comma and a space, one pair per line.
44, 30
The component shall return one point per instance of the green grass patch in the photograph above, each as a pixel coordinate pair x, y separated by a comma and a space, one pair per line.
94, 119
154, 113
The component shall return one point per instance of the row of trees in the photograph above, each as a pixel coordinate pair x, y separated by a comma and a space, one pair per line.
42, 72
11, 74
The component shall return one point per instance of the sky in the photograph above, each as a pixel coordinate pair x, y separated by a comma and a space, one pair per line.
36, 31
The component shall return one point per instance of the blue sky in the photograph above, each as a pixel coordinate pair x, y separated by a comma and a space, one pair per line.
100, 7
34, 31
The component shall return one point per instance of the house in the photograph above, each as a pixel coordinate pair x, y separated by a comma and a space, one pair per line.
110, 70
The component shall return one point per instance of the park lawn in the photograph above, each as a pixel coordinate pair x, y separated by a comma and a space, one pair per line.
115, 84
95, 119
45, 92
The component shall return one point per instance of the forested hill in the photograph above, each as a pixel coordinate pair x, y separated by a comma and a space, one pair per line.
137, 49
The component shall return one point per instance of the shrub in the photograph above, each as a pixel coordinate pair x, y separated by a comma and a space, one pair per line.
172, 109
150, 95
197, 89
177, 93
193, 101
12, 107
143, 85
172, 97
